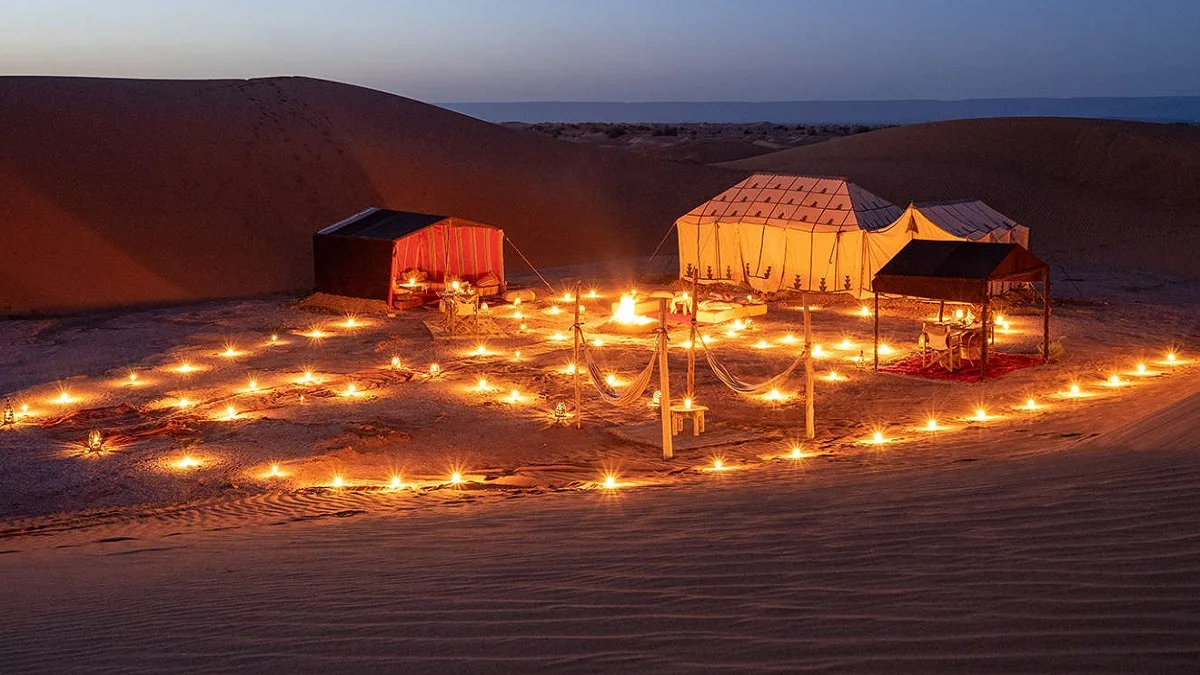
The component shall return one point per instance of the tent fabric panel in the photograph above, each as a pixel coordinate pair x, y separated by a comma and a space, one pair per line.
937, 288
384, 224
355, 267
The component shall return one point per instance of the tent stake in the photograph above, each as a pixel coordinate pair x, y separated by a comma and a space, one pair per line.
664, 381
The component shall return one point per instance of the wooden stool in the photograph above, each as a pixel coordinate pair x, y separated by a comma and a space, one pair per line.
679, 413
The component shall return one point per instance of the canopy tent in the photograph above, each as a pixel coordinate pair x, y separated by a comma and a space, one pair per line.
364, 255
773, 231
961, 271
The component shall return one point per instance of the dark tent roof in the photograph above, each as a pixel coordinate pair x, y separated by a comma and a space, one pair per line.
382, 224
955, 270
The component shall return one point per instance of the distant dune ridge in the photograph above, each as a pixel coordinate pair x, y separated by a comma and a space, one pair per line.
119, 192
1092, 192
116, 192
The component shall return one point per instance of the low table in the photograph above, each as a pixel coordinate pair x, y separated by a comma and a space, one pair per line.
680, 412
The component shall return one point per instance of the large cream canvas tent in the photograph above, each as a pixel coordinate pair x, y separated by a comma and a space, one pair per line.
772, 232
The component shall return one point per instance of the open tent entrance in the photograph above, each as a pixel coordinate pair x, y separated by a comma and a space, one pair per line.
962, 271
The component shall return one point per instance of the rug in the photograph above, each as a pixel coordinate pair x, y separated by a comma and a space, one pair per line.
999, 364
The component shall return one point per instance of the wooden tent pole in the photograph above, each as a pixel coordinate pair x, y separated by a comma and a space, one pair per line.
810, 430
575, 361
664, 381
983, 348
691, 352
876, 331
1046, 315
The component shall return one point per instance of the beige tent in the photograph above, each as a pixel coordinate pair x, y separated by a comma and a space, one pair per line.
772, 232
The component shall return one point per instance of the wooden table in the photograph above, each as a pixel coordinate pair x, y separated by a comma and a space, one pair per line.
680, 412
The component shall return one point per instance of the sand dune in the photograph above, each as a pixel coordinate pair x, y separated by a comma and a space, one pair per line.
1093, 191
119, 192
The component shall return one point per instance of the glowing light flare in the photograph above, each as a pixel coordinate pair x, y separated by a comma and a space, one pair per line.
931, 424
555, 309
434, 370
775, 396
558, 337
456, 478
275, 471
395, 362
885, 349
338, 481
133, 378
230, 352
514, 396
980, 415
1030, 404
1114, 381
788, 339
864, 311
185, 368
627, 312
818, 351
351, 391
315, 333
252, 385
592, 294
395, 483
738, 324
183, 402
187, 462
64, 397
687, 403
230, 413
845, 344
597, 342
351, 322
95, 441
482, 385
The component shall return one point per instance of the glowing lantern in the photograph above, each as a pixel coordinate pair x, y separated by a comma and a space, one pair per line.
183, 403
338, 482
230, 413
230, 351
517, 355
274, 338
761, 344
480, 350
483, 385
558, 337
610, 481
274, 469
456, 285
817, 351
455, 478
797, 453
184, 367
64, 396
133, 377
884, 349
1074, 391
252, 385
718, 464
738, 324
523, 328
789, 339
514, 395
350, 322
570, 368
10, 415
597, 342
518, 315
877, 437
517, 301
833, 376
592, 294
774, 395
864, 311
687, 403
395, 362
981, 414
351, 391
554, 309
1171, 357
611, 380
315, 333
845, 343
1141, 367
396, 484
24, 408
307, 377
958, 314
434, 370
1031, 404
95, 442
1114, 381
931, 424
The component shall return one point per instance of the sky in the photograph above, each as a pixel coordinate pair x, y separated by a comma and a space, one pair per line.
628, 50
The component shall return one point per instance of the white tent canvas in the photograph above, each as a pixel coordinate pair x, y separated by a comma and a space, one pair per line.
773, 232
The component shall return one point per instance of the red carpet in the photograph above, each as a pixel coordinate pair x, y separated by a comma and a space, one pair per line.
999, 364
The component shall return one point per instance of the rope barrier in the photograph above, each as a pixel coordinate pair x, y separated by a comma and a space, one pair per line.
535, 270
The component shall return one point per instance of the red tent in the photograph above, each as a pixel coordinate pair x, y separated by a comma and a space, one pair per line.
365, 255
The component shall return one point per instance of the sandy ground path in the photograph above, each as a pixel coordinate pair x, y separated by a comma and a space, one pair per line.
1085, 560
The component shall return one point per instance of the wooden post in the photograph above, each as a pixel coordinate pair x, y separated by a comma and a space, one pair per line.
1046, 315
664, 381
876, 331
983, 347
578, 386
691, 381
810, 430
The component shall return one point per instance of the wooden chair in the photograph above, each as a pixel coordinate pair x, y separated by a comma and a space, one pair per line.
941, 344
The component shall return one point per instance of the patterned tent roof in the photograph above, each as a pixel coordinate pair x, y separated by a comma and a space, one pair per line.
800, 202
966, 218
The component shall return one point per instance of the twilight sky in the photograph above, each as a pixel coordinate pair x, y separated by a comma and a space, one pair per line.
628, 50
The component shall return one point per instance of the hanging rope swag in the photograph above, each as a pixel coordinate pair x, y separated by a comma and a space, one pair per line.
742, 386
609, 395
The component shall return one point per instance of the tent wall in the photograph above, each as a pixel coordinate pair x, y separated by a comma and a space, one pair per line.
453, 248
352, 266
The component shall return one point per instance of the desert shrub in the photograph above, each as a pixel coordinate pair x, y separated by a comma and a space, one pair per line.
616, 131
